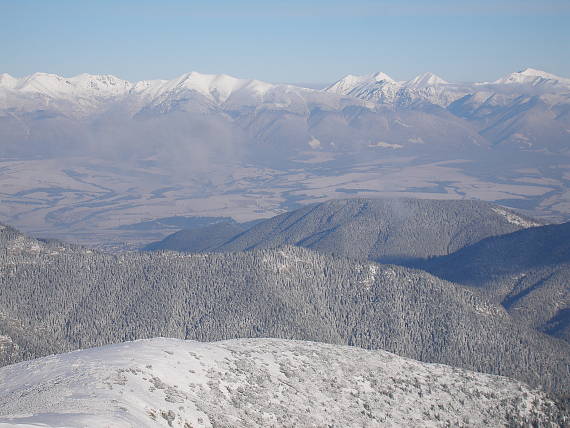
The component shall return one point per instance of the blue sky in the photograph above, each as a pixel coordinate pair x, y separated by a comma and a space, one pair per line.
285, 41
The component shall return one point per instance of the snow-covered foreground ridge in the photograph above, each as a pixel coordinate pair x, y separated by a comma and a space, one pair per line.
257, 382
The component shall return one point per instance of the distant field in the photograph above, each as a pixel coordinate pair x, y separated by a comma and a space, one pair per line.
94, 201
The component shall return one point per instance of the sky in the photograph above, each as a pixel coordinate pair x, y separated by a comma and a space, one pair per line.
285, 41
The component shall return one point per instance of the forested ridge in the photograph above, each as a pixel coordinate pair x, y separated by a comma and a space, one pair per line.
527, 272
55, 297
392, 230
511, 258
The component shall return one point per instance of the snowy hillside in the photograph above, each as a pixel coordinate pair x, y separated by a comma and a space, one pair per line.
257, 382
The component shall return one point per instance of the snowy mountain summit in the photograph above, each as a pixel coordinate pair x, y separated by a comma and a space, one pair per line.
533, 77
424, 80
257, 383
350, 81
381, 88
215, 87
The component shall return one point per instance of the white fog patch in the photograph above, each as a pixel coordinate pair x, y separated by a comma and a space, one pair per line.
416, 140
386, 145
399, 122
314, 143
521, 136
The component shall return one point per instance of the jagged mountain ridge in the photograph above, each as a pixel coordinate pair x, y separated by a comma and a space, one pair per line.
387, 230
72, 298
259, 382
429, 87
220, 87
522, 108
381, 88
146, 95
85, 94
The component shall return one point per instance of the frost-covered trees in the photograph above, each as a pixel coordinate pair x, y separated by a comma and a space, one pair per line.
55, 297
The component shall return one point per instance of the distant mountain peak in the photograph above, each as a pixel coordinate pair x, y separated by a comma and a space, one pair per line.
53, 85
535, 72
533, 77
381, 88
426, 79
218, 87
351, 81
381, 76
105, 78
7, 81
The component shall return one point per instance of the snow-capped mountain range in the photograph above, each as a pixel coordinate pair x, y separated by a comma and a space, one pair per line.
216, 88
521, 108
221, 88
428, 87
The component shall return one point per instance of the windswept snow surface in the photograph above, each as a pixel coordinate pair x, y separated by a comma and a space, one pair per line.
254, 383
